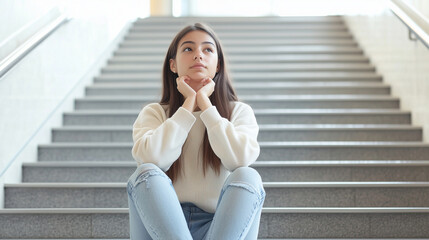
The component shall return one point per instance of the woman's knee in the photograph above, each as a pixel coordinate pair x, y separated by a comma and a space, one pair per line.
246, 174
248, 178
143, 172
145, 167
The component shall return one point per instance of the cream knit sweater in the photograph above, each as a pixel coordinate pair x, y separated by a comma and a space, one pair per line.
159, 140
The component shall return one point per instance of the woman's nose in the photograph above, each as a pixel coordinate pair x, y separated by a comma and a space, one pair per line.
198, 55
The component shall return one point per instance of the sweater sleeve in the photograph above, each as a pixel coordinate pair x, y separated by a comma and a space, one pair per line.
234, 142
158, 139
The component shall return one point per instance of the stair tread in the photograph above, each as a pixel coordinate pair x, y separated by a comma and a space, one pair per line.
235, 42
266, 185
244, 20
226, 36
256, 164
258, 239
250, 85
262, 111
330, 111
262, 49
261, 143
264, 210
265, 127
260, 66
261, 98
286, 57
240, 27
314, 74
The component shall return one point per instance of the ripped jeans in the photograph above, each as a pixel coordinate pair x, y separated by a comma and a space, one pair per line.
156, 213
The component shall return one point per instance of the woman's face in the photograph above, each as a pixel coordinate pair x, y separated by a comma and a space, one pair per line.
196, 56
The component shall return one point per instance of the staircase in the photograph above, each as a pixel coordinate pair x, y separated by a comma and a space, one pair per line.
339, 159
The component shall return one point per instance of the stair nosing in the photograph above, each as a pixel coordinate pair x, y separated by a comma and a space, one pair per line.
303, 163
271, 144
339, 144
330, 184
251, 85
261, 98
336, 111
373, 210
266, 127
294, 74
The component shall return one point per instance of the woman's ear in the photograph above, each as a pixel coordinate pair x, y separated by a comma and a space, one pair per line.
173, 65
217, 68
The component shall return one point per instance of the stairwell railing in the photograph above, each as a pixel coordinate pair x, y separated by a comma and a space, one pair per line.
23, 49
417, 23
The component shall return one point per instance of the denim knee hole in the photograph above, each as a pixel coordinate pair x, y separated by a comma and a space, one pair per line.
260, 194
142, 177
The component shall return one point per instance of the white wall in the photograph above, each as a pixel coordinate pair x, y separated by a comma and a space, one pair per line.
18, 13
35, 93
404, 64
277, 7
421, 5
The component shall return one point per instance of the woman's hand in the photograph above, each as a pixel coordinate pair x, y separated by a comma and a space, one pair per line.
208, 87
204, 93
184, 88
188, 93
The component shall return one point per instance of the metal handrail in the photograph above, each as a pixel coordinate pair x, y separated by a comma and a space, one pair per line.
417, 24
14, 57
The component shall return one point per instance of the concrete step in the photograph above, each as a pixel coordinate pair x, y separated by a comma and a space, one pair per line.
270, 171
263, 116
271, 50
347, 194
258, 239
239, 21
332, 116
252, 77
286, 58
245, 21
248, 42
275, 223
253, 35
220, 29
275, 132
308, 132
269, 151
250, 67
234, 31
248, 88
344, 150
255, 101
279, 194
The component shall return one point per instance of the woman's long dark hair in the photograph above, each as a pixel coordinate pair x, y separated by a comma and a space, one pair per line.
222, 96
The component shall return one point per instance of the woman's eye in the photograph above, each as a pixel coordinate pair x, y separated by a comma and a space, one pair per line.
209, 50
187, 49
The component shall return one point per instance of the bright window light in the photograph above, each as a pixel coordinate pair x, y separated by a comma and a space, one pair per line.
327, 7
177, 8
280, 7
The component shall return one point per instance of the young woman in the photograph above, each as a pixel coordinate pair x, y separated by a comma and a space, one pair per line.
193, 150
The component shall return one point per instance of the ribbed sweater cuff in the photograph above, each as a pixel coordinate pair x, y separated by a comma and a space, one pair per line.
184, 118
210, 117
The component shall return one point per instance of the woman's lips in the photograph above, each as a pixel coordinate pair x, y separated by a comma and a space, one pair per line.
198, 66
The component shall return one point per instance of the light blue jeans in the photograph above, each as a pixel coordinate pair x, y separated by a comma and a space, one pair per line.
156, 213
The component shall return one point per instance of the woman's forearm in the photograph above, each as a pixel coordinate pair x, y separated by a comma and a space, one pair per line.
203, 102
190, 103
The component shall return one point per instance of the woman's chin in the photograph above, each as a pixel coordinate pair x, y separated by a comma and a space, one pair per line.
197, 77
